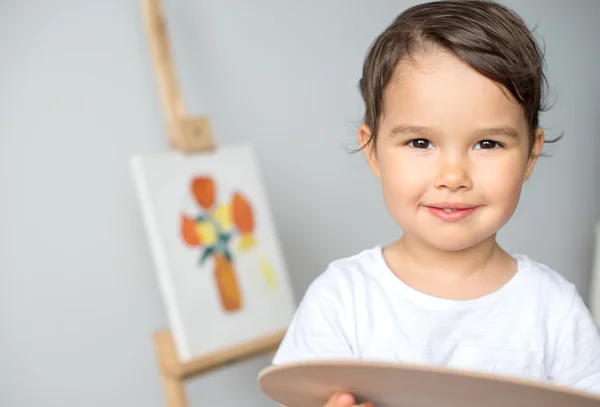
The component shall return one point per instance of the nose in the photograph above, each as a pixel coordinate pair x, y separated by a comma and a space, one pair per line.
453, 173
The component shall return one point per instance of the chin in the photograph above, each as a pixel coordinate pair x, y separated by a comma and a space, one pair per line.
453, 246
454, 242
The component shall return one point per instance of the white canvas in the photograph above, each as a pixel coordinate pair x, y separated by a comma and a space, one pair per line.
201, 323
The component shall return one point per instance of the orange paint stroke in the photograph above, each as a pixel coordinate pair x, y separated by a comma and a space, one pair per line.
203, 189
227, 283
242, 214
188, 231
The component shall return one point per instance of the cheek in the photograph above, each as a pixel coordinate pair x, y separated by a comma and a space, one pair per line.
500, 181
403, 178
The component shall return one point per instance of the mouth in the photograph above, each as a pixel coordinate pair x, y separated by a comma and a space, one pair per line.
451, 211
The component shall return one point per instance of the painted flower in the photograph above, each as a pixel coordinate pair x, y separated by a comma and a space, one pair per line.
211, 230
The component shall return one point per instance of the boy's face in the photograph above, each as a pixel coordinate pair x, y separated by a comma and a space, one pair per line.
450, 136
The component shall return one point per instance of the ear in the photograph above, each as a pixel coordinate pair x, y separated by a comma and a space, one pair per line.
364, 135
538, 143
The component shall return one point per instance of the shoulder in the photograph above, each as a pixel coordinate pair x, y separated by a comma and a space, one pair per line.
570, 330
546, 286
543, 275
340, 288
323, 325
343, 275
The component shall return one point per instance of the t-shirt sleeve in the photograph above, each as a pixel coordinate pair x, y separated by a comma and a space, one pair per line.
318, 329
577, 360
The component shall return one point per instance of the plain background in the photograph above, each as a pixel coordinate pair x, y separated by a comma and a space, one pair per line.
78, 97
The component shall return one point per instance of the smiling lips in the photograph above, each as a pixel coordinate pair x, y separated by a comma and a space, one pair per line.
451, 212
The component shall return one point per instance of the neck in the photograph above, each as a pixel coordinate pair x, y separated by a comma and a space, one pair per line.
454, 264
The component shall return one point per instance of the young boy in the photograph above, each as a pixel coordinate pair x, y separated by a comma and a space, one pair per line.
452, 91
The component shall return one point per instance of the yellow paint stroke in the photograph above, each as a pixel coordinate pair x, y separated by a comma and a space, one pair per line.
247, 242
268, 272
207, 232
222, 215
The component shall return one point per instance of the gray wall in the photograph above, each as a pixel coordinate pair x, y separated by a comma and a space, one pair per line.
77, 97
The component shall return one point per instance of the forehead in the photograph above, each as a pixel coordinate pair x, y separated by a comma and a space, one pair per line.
438, 89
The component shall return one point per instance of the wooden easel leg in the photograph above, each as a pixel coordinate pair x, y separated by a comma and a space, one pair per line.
174, 391
173, 385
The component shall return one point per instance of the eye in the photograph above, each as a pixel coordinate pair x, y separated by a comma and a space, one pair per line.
488, 144
420, 143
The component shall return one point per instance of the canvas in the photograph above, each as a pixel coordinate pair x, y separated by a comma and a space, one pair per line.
218, 259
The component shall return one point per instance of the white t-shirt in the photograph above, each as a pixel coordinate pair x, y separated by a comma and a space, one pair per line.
536, 326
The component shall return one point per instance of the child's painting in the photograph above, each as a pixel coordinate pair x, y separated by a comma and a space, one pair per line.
218, 261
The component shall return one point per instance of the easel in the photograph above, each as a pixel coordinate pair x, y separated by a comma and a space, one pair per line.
186, 134
174, 373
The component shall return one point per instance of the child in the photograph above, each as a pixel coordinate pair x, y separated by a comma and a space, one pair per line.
453, 91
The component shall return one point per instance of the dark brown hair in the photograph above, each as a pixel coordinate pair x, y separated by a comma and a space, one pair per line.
484, 34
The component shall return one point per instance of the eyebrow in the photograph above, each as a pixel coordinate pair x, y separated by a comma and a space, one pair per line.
413, 130
498, 131
428, 131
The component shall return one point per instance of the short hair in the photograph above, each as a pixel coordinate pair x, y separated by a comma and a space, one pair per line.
486, 35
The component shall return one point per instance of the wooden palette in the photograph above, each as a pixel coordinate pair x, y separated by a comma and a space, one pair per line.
310, 384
